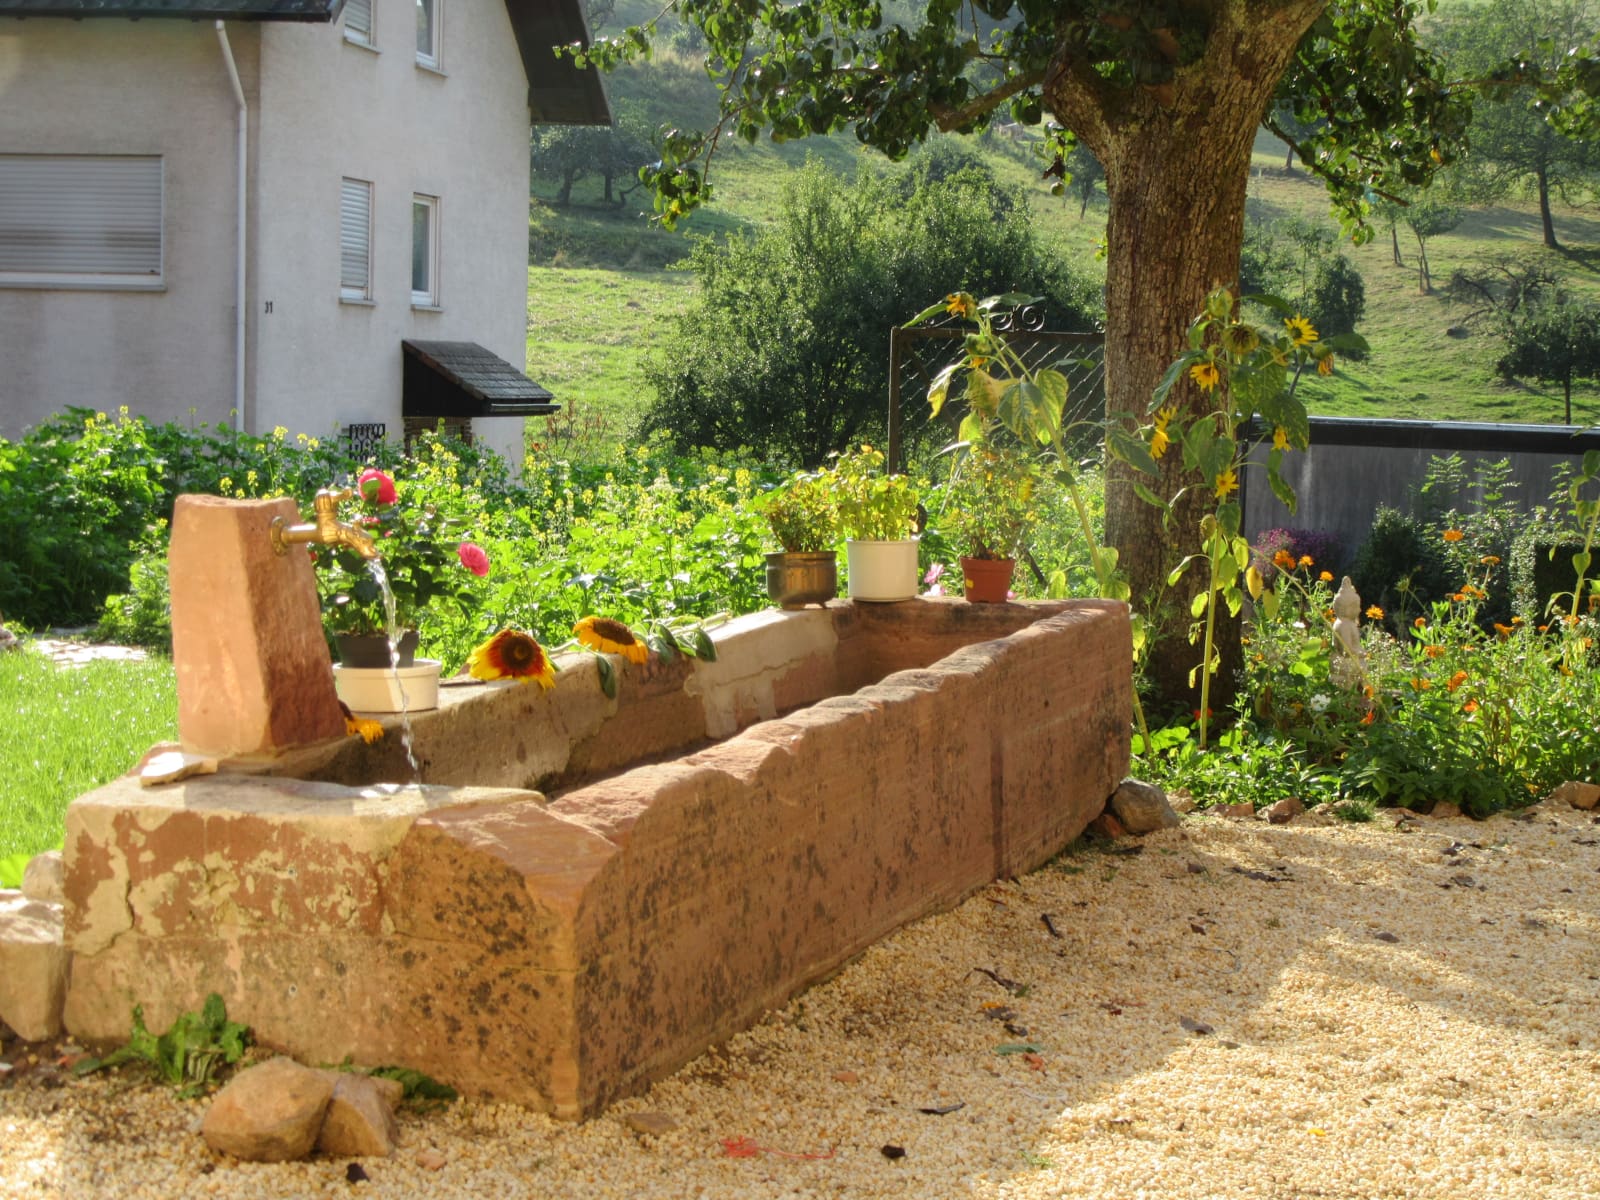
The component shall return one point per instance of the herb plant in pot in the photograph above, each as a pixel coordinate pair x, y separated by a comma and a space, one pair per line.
804, 518
878, 513
424, 563
989, 510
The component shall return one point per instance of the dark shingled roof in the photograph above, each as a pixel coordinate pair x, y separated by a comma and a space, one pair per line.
462, 379
193, 10
559, 92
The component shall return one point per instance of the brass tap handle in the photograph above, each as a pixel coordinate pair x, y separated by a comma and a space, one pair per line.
324, 528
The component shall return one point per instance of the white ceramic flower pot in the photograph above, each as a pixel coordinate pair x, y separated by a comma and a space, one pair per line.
882, 570
378, 689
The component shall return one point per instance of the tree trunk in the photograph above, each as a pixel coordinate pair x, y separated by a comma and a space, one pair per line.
564, 195
1394, 243
1543, 179
1177, 168
1566, 389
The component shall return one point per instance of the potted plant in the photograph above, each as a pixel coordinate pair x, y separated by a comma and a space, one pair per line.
804, 517
421, 561
878, 513
989, 509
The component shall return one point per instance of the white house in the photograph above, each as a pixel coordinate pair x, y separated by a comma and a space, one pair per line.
300, 213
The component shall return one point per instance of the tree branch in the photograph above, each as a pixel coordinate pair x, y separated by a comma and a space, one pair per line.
948, 118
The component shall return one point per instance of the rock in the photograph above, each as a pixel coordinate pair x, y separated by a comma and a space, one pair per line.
654, 1123
269, 1113
1285, 810
44, 878
360, 1118
1182, 800
1444, 808
1106, 826
1142, 807
1242, 811
33, 967
169, 766
846, 1077
430, 1160
1578, 795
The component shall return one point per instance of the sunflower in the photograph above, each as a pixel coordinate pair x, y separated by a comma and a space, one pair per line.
1325, 365
1239, 340
610, 637
365, 728
1205, 375
1300, 329
1227, 482
959, 304
512, 654
1159, 441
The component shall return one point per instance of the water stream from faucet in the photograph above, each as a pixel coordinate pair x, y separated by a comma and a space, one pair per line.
391, 622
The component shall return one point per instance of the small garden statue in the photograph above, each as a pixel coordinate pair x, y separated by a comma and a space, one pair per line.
1347, 665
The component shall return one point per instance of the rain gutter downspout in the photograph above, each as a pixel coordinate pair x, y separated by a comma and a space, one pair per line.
239, 329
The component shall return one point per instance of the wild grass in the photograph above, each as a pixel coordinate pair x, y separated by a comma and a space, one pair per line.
67, 730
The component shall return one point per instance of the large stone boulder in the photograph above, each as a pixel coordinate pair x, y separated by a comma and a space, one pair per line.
1142, 807
33, 966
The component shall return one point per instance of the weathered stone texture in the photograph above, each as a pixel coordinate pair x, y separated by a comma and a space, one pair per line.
562, 954
269, 1113
253, 670
33, 966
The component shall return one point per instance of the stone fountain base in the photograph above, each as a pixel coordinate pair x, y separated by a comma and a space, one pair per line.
564, 947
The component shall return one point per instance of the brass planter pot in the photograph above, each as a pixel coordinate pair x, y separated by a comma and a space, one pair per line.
801, 577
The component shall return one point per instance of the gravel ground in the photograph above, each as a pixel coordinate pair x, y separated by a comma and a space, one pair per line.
1222, 1010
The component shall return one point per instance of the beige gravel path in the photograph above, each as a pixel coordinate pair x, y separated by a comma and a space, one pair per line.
1390, 1014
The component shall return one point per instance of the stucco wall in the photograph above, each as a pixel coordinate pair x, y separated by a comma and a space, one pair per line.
322, 109
331, 109
125, 87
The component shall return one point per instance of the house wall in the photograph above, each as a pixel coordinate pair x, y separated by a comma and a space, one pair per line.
331, 109
128, 87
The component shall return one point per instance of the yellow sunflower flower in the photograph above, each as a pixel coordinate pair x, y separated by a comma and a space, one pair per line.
1227, 482
512, 654
610, 637
1325, 365
959, 304
1205, 375
1159, 441
1300, 329
366, 729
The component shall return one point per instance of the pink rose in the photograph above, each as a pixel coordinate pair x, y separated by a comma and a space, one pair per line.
473, 558
375, 487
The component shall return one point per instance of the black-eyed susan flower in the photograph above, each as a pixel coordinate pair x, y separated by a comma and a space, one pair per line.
512, 654
1300, 330
1205, 375
610, 637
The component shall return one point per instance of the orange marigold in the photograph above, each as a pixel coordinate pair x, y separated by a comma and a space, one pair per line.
1453, 535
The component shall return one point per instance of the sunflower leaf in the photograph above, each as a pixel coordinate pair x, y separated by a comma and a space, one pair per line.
608, 676
704, 648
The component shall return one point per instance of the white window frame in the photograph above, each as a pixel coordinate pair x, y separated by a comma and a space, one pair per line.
428, 295
428, 43
355, 240
92, 221
359, 27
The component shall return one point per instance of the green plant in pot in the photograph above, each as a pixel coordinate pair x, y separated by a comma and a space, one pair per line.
804, 516
878, 513
989, 508
423, 559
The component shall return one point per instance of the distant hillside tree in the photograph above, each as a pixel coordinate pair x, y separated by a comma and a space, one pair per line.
785, 349
1513, 148
1428, 216
564, 154
1553, 343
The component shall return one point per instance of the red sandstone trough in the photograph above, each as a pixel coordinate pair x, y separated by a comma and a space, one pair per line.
833, 775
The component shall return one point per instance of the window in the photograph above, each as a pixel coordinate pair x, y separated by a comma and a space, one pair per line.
355, 240
425, 251
80, 220
358, 22
428, 33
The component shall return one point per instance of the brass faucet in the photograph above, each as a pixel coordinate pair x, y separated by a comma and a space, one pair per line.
326, 527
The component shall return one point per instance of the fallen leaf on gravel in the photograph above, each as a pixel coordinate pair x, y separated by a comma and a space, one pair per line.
944, 1109
1196, 927
1050, 925
1010, 985
1194, 1026
1034, 1061
892, 1152
1263, 876
744, 1147
1194, 868
1018, 1048
999, 1012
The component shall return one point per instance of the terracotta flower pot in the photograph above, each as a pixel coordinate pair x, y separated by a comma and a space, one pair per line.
987, 580
372, 649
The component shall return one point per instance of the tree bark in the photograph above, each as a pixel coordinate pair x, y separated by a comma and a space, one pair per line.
1543, 178
1177, 168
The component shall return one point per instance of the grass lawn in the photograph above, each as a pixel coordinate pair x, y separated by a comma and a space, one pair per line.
64, 731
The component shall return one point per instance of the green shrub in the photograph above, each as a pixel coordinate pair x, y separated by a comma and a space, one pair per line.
1401, 567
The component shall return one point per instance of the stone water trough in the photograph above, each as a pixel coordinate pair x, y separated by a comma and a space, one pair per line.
584, 893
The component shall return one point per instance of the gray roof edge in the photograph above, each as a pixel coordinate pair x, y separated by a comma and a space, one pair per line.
319, 11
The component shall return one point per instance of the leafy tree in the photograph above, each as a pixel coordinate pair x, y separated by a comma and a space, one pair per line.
565, 154
1553, 343
785, 349
1168, 96
1428, 217
1513, 147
